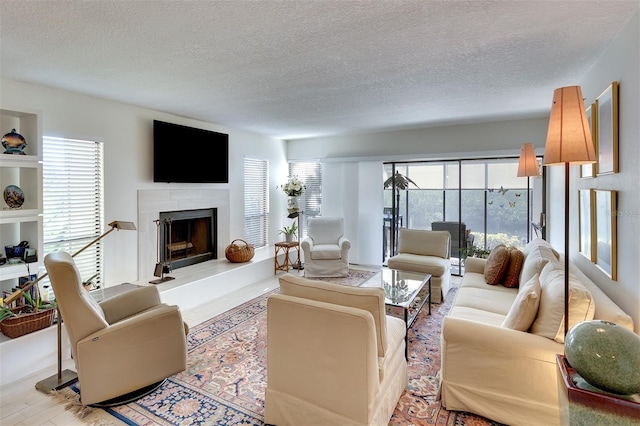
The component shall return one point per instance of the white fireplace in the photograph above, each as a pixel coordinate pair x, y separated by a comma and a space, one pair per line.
152, 202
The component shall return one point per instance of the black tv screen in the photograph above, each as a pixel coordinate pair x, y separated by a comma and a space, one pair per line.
189, 155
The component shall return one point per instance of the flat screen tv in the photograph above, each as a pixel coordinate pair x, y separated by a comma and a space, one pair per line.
189, 155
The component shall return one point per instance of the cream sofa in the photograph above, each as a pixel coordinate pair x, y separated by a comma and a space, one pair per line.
489, 366
333, 356
428, 252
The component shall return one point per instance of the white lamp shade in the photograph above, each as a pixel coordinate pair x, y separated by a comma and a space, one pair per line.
569, 136
528, 164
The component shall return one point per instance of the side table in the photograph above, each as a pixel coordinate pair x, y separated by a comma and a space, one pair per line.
283, 247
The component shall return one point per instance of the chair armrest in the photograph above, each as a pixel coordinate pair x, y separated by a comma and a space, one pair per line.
344, 243
306, 244
497, 360
130, 303
322, 352
474, 264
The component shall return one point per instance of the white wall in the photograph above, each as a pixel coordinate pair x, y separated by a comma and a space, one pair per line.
620, 62
127, 135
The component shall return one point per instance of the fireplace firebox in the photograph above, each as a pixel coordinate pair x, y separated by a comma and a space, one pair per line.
187, 237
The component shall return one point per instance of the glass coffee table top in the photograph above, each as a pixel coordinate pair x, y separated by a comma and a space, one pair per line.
400, 287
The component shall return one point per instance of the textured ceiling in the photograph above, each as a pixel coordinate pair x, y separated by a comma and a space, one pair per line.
292, 69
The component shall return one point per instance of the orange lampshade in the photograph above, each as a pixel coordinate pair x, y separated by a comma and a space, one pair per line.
528, 164
569, 136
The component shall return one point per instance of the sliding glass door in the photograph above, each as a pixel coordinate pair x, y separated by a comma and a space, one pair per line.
481, 202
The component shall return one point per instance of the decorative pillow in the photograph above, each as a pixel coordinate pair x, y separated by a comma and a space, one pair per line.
525, 306
537, 243
534, 261
550, 319
496, 265
512, 274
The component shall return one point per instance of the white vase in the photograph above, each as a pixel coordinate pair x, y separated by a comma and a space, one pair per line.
293, 206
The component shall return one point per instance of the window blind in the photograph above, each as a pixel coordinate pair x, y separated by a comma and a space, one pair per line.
73, 201
256, 201
311, 174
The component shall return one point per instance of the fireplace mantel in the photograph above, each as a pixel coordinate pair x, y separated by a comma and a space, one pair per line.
152, 202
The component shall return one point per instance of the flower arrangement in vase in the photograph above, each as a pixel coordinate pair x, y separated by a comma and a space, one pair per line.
294, 188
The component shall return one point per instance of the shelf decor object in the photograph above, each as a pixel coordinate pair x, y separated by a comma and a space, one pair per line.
14, 143
569, 142
587, 405
13, 196
66, 377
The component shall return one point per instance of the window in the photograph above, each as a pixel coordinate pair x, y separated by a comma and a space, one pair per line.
73, 201
485, 194
256, 201
311, 174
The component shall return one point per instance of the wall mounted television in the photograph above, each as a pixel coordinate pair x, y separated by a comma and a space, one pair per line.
188, 155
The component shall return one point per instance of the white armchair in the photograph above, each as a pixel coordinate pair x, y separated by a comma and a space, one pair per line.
325, 249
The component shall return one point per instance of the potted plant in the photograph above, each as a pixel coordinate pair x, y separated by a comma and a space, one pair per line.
289, 232
88, 284
35, 315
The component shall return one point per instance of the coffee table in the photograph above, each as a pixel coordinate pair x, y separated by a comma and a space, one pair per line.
405, 294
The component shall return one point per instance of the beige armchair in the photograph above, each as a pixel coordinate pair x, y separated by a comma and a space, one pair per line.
325, 249
426, 252
122, 344
333, 355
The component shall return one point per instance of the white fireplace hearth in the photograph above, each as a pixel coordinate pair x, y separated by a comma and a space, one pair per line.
152, 202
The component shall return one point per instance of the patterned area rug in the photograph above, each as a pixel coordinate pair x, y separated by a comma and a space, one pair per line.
225, 379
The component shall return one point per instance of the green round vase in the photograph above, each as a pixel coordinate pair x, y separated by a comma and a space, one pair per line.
606, 355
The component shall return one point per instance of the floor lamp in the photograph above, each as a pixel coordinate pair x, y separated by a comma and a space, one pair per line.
569, 142
528, 167
66, 377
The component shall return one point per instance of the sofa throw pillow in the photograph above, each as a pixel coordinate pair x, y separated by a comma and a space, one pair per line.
512, 274
496, 265
550, 319
525, 306
534, 261
537, 243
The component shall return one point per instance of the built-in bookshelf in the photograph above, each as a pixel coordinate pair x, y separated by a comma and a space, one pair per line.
24, 171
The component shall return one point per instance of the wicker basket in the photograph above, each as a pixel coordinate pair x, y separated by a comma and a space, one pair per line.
26, 323
237, 253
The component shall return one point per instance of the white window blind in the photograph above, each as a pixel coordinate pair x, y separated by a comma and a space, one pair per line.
72, 201
256, 201
311, 174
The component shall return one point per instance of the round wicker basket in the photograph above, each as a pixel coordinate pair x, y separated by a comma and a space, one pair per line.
238, 253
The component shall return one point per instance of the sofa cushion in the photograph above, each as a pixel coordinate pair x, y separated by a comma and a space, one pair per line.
487, 299
435, 266
326, 252
512, 274
534, 261
525, 307
424, 242
536, 243
550, 319
496, 265
368, 298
